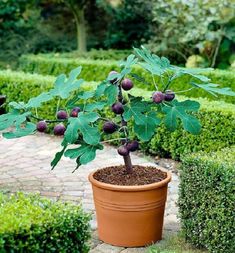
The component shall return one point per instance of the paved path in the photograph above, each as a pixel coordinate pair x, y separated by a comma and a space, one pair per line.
25, 166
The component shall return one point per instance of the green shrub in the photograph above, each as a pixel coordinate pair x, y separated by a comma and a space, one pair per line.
214, 116
206, 200
93, 54
97, 70
34, 224
93, 70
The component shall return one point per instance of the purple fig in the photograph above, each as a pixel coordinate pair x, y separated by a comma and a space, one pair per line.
132, 145
127, 84
59, 129
114, 79
158, 97
123, 151
42, 126
109, 127
169, 95
75, 111
117, 108
62, 115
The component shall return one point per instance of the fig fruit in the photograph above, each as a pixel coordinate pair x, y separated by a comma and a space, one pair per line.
114, 79
132, 145
169, 95
158, 97
59, 129
123, 151
75, 111
117, 108
109, 127
127, 84
42, 126
62, 115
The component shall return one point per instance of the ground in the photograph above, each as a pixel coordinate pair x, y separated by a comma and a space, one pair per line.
25, 166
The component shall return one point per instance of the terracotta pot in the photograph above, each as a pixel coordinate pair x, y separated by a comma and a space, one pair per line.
130, 216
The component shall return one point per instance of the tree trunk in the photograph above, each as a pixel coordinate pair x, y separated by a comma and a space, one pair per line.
128, 164
127, 158
81, 30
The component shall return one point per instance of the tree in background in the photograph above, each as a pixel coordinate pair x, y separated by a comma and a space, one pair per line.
77, 7
129, 22
16, 19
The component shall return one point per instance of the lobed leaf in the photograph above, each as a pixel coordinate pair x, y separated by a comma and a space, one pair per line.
176, 110
212, 88
27, 129
57, 157
147, 128
84, 154
111, 93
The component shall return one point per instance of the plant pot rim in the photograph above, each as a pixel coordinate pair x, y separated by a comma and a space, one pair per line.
145, 187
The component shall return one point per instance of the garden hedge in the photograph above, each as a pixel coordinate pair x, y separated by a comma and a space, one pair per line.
217, 118
93, 54
34, 224
206, 200
97, 70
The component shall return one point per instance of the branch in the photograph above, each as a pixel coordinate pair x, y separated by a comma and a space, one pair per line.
217, 49
178, 52
117, 139
168, 82
47, 120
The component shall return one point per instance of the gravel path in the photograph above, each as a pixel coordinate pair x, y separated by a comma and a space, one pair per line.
25, 166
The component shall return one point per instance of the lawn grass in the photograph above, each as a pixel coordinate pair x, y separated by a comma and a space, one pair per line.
173, 244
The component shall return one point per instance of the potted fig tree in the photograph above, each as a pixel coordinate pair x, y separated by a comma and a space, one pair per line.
129, 199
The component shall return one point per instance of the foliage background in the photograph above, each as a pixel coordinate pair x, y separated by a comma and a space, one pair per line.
177, 29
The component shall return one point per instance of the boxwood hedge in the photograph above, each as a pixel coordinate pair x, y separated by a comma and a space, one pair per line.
206, 200
93, 54
97, 70
34, 224
217, 118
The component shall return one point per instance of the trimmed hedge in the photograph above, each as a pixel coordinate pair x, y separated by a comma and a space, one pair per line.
92, 70
94, 54
34, 224
97, 70
206, 200
217, 118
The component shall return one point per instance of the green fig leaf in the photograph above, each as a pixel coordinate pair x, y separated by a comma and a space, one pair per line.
91, 134
57, 157
85, 153
136, 109
13, 118
37, 101
111, 93
27, 129
63, 88
213, 89
100, 89
178, 110
146, 130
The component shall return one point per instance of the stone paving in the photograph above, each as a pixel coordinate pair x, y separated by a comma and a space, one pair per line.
25, 166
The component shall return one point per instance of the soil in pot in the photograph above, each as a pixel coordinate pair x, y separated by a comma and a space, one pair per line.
142, 175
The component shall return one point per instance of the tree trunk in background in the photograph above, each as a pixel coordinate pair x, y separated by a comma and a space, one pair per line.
81, 28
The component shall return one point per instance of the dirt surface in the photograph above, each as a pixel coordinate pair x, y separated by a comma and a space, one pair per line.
141, 175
